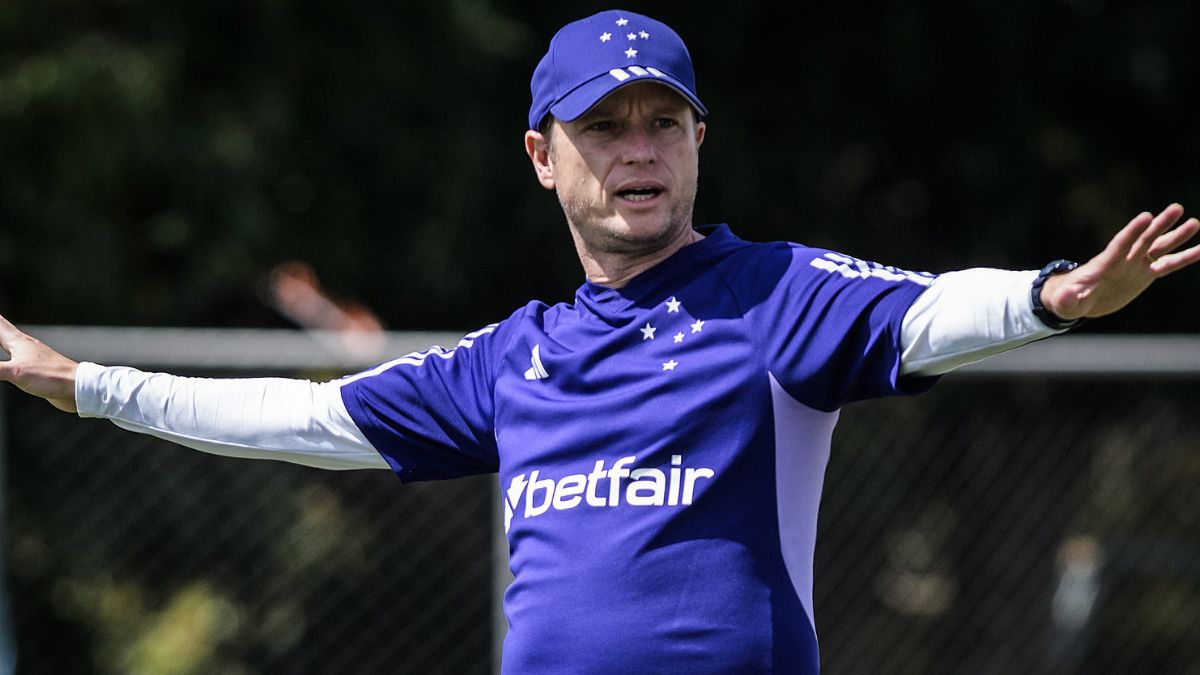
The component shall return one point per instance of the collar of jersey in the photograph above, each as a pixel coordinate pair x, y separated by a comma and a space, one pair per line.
664, 278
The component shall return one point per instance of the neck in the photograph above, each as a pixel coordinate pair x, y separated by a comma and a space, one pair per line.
617, 268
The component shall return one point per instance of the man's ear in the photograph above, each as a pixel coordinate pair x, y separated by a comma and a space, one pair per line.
537, 146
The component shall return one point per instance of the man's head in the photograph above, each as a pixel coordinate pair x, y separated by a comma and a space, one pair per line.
615, 130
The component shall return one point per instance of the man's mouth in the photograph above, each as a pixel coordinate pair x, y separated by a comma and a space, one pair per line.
639, 194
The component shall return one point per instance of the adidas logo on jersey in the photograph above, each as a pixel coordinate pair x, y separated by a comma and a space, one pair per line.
538, 371
647, 486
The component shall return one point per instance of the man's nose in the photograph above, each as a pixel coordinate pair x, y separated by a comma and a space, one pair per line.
638, 146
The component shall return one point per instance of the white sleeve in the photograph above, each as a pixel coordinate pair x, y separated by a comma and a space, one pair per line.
267, 418
967, 316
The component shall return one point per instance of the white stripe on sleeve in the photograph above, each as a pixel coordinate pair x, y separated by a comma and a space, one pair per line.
967, 316
265, 418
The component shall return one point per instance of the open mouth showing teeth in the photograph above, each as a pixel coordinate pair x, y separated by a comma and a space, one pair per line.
639, 194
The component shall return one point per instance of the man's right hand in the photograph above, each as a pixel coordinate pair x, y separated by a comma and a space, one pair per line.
37, 369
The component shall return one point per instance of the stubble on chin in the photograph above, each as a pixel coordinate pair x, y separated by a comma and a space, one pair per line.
588, 225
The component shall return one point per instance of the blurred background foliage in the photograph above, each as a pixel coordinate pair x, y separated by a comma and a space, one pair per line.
159, 158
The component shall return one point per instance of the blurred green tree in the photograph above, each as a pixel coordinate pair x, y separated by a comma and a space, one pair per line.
161, 157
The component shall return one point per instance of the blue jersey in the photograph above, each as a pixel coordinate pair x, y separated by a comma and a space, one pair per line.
661, 450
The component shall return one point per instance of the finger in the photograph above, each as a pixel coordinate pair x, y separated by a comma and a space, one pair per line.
8, 334
1124, 240
1173, 239
1161, 223
1175, 261
7, 330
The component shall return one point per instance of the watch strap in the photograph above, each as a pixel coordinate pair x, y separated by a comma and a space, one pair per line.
1035, 295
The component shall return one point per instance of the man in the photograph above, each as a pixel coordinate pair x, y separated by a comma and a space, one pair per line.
661, 441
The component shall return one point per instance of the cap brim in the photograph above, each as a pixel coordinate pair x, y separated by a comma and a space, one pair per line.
585, 97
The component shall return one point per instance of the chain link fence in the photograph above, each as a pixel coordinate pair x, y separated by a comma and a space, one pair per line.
128, 554
1015, 525
1012, 520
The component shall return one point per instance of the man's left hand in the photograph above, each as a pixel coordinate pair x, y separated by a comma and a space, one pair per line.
1144, 250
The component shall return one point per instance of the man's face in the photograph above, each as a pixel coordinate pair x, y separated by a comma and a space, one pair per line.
626, 171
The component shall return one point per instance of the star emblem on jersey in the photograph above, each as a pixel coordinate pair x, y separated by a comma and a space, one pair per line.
670, 316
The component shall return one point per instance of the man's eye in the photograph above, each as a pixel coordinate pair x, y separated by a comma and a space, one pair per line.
603, 125
666, 122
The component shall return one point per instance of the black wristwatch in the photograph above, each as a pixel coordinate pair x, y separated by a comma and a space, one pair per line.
1035, 295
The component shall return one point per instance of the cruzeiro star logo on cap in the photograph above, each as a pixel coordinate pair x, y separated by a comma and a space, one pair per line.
626, 37
631, 37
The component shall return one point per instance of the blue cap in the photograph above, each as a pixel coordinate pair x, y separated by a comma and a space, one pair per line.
590, 58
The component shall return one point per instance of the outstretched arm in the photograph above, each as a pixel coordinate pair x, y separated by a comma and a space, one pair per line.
265, 418
257, 418
37, 369
1144, 250
970, 315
